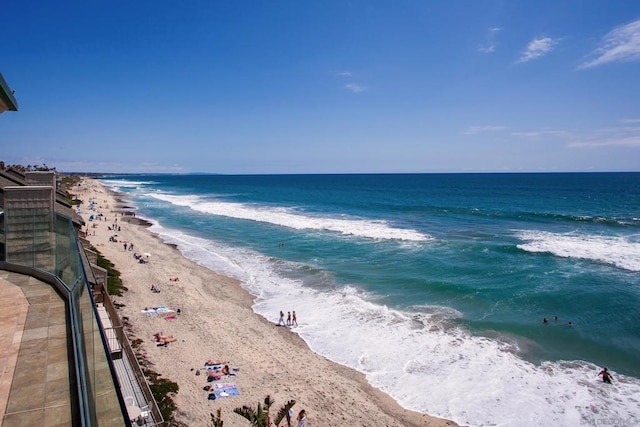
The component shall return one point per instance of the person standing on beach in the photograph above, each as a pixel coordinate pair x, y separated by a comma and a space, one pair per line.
288, 318
281, 321
125, 246
294, 320
302, 418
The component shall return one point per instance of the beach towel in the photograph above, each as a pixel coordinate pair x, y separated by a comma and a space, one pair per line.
226, 390
159, 309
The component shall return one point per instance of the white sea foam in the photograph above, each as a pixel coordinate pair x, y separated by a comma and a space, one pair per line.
419, 358
286, 217
623, 252
118, 184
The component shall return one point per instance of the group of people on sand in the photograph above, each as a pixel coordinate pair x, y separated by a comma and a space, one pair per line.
292, 319
217, 369
301, 418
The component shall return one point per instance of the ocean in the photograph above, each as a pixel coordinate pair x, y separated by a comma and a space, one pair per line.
435, 285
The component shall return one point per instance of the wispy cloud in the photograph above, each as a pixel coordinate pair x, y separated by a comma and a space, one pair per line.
537, 48
630, 141
630, 121
543, 134
487, 49
490, 44
620, 136
351, 87
622, 44
355, 88
628, 136
472, 130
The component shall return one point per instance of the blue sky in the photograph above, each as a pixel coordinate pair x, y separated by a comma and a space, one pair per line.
322, 86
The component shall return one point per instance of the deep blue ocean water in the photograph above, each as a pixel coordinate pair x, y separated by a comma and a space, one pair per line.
436, 285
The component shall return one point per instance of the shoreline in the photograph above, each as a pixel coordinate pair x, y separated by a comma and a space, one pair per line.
216, 321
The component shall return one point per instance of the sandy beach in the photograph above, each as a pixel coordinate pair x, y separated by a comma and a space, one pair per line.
216, 322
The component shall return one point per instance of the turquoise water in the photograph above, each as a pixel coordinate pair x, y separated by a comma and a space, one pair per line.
425, 280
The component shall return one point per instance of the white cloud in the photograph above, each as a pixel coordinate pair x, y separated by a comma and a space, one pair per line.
542, 133
355, 88
622, 44
622, 136
628, 136
630, 121
472, 130
351, 87
629, 141
490, 44
487, 49
537, 48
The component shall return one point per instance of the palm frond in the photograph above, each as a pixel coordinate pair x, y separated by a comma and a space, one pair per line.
247, 412
284, 411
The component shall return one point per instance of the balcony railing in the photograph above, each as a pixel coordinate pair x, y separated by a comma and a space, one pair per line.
48, 249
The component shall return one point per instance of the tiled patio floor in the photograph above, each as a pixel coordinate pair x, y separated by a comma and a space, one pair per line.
35, 388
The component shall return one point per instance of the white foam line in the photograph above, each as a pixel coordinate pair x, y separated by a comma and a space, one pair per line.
373, 229
619, 251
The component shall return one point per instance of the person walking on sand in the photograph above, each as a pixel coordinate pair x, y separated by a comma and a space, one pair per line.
606, 376
302, 418
281, 321
288, 318
294, 320
125, 246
